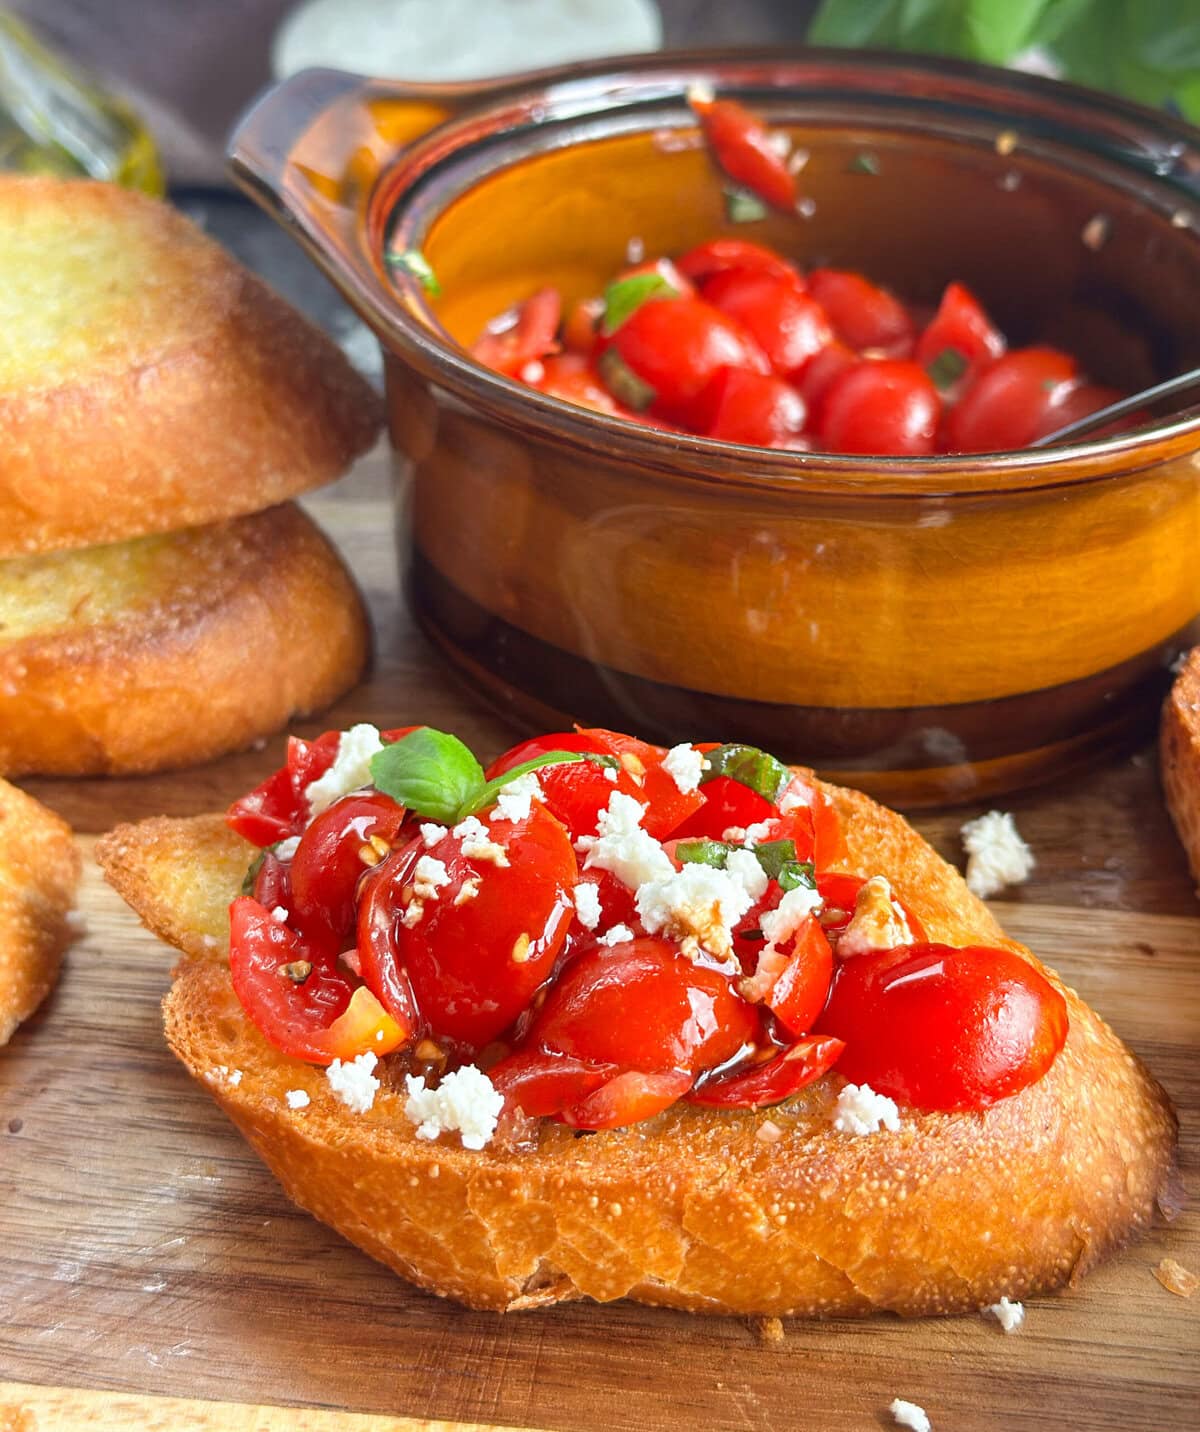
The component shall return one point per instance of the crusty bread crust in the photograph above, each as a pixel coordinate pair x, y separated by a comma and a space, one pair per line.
150, 382
693, 1209
1179, 749
39, 870
171, 650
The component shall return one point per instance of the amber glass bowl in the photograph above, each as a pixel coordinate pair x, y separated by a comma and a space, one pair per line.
932, 629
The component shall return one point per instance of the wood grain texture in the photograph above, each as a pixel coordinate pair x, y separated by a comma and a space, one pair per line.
146, 1250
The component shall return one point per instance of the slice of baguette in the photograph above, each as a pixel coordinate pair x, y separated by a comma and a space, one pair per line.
39, 870
168, 650
695, 1209
1179, 751
147, 381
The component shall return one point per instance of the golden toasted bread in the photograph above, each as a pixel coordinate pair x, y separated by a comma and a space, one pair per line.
147, 381
711, 1211
39, 869
167, 650
1179, 749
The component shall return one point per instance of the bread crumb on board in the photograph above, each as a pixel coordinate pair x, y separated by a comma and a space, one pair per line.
769, 1330
1176, 1279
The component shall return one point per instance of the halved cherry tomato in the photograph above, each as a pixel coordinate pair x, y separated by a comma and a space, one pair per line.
582, 325
821, 373
628, 1099
797, 977
668, 806
326, 1015
1012, 401
727, 803
722, 255
569, 376
789, 326
888, 407
801, 1063
329, 861
863, 314
642, 1005
944, 1028
1083, 400
542, 1085
473, 965
747, 150
811, 822
753, 408
532, 336
962, 325
677, 345
575, 792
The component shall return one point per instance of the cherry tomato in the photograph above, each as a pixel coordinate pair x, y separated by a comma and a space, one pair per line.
273, 883
863, 314
473, 965
961, 324
323, 1016
727, 803
532, 336
811, 823
753, 408
800, 1064
747, 150
722, 255
820, 374
542, 1085
581, 326
677, 345
797, 977
789, 326
1011, 401
1082, 400
576, 792
644, 1006
628, 1098
942, 1028
329, 861
889, 408
668, 806
570, 377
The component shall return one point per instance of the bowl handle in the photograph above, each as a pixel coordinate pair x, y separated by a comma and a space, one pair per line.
310, 151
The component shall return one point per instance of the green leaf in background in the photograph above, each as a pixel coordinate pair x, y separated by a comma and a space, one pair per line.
998, 32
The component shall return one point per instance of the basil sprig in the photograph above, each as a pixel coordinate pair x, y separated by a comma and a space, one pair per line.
414, 263
750, 767
623, 383
704, 851
434, 774
623, 298
777, 858
946, 369
742, 206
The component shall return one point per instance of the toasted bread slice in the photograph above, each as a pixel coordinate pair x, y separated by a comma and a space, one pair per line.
695, 1208
172, 649
147, 381
39, 869
1179, 749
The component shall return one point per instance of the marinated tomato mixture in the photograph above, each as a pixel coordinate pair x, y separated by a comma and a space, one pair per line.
731, 340
596, 928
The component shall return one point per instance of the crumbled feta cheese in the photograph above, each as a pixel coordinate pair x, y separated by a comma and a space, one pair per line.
997, 856
756, 834
878, 923
468, 890
286, 849
623, 847
279, 915
733, 834
477, 843
465, 1100
353, 1082
616, 936
780, 924
429, 875
908, 1414
744, 866
351, 768
298, 1099
516, 798
587, 904
610, 773
431, 833
698, 906
860, 1110
685, 765
1009, 1315
796, 797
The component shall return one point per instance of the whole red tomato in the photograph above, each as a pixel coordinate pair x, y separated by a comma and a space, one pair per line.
886, 407
863, 314
789, 326
1012, 401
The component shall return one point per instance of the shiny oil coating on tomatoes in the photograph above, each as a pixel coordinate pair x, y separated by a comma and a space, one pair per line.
606, 928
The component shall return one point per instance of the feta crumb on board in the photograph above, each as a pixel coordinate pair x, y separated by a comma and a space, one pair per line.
515, 800
298, 1099
353, 1082
685, 766
623, 847
466, 1100
1009, 1315
587, 904
996, 854
908, 1414
351, 769
860, 1110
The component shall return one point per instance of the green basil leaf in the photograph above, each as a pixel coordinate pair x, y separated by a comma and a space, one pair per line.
623, 383
252, 874
863, 163
946, 369
796, 873
773, 855
623, 298
749, 767
704, 852
430, 772
414, 262
742, 206
488, 793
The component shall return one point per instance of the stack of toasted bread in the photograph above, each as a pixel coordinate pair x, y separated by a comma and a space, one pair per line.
161, 599
1180, 752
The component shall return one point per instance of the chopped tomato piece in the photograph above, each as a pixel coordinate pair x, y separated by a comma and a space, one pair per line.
667, 806
789, 326
628, 1099
1012, 401
753, 408
337, 849
727, 804
802, 1063
863, 314
886, 407
795, 980
747, 150
531, 336
542, 1085
823, 371
722, 255
962, 325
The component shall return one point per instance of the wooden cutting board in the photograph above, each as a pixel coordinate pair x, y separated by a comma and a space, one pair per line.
145, 1250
